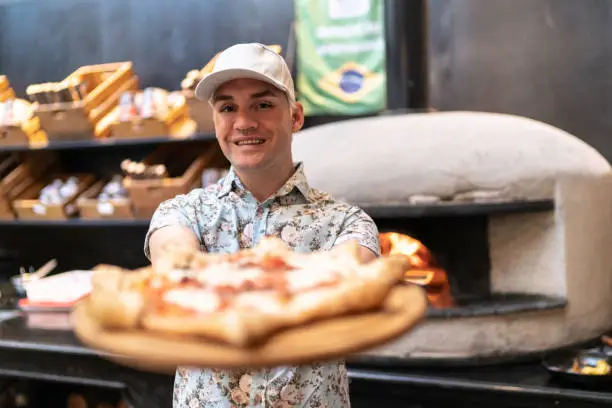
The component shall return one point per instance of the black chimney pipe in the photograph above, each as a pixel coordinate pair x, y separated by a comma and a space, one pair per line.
406, 54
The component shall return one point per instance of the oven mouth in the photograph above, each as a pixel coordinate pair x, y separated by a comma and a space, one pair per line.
448, 247
424, 271
428, 274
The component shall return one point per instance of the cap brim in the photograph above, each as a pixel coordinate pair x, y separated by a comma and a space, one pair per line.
209, 84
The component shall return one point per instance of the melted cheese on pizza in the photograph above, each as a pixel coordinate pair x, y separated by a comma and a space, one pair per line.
300, 280
227, 275
262, 282
263, 301
199, 300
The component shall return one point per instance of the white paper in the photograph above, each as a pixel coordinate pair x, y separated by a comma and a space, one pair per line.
63, 287
106, 208
39, 209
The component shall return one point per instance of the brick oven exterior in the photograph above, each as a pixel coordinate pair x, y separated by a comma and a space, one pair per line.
446, 157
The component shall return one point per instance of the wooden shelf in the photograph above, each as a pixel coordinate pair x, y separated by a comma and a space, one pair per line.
376, 212
108, 142
75, 222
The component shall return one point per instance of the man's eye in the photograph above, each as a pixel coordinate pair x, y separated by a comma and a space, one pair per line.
264, 105
226, 108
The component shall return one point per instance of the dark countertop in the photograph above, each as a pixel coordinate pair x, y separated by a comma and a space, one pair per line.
57, 355
522, 381
16, 333
32, 352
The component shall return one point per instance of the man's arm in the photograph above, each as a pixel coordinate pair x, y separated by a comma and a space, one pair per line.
359, 226
173, 223
366, 254
171, 235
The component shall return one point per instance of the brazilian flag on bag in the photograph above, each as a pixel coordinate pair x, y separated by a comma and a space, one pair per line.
340, 56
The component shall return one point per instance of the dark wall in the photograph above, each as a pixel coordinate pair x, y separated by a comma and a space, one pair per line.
548, 59
43, 40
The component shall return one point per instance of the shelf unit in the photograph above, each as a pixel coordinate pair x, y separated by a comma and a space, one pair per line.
109, 142
377, 212
75, 223
78, 243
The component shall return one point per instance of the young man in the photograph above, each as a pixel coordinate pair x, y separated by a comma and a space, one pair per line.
265, 193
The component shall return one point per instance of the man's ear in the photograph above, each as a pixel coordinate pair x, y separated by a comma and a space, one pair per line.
297, 117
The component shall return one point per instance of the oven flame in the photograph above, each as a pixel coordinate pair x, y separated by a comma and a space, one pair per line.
394, 243
424, 270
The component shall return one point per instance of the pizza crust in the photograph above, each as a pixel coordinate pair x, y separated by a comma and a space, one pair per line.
110, 302
237, 328
115, 304
352, 296
246, 326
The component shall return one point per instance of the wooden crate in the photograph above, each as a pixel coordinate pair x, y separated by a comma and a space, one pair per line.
77, 120
200, 111
28, 207
92, 209
16, 135
6, 92
4, 84
32, 166
176, 123
146, 195
24, 133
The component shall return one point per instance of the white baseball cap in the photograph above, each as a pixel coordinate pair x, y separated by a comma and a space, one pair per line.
252, 60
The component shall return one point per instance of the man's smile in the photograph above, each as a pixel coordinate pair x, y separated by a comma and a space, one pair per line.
249, 141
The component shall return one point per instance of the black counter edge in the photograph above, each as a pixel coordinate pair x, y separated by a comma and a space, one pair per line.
445, 383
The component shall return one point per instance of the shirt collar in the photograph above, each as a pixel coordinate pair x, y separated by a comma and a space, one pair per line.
297, 181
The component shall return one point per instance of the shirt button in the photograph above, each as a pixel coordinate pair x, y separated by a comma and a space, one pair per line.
259, 211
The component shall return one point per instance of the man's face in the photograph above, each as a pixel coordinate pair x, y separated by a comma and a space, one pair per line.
254, 123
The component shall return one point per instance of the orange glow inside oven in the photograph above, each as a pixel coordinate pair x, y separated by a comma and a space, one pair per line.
424, 270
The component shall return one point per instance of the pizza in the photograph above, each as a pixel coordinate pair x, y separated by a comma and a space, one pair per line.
242, 298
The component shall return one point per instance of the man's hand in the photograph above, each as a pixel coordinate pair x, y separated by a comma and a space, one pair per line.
174, 235
366, 254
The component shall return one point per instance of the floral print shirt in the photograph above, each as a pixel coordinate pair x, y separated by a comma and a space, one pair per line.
226, 217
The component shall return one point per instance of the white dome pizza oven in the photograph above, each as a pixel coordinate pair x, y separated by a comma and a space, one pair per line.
516, 213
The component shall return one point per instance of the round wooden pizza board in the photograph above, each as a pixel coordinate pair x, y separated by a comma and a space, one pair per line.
317, 341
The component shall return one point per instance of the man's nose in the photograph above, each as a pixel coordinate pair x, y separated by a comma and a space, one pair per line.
245, 121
